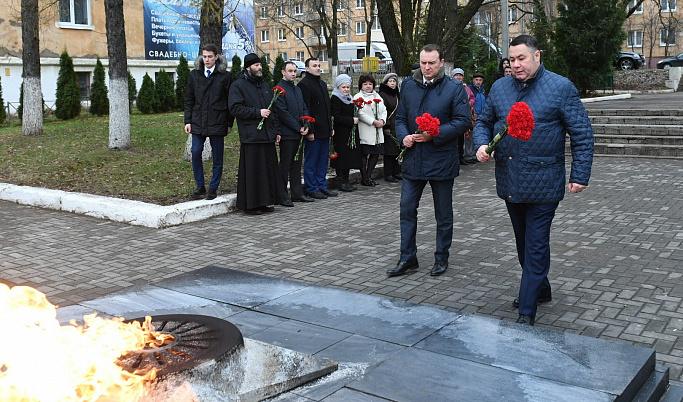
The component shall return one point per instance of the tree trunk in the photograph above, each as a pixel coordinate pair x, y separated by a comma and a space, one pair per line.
119, 113
32, 119
211, 24
397, 42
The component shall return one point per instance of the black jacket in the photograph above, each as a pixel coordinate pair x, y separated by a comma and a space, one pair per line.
290, 109
206, 100
317, 101
248, 96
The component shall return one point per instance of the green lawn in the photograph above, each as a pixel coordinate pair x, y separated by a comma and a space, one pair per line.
72, 155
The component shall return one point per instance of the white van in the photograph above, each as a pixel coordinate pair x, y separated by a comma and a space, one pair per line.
356, 51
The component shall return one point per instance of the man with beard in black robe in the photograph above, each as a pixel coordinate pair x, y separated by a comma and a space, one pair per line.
258, 183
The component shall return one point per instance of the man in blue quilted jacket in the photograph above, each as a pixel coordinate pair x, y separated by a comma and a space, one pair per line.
428, 159
530, 175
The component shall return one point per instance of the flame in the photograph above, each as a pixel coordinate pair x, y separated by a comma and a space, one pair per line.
41, 360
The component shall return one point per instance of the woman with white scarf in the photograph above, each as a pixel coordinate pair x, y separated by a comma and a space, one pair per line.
372, 118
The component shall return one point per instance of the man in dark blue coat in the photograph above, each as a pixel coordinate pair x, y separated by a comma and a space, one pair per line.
428, 159
530, 175
317, 146
291, 108
207, 115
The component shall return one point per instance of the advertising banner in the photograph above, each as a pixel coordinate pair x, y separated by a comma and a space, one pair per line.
172, 29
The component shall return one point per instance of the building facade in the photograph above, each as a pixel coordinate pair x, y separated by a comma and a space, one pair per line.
158, 32
294, 30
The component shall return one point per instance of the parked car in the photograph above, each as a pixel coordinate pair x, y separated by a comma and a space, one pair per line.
630, 60
300, 67
676, 61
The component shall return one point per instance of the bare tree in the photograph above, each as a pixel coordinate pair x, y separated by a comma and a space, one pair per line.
119, 113
32, 119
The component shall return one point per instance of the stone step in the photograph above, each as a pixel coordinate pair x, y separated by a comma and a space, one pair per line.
621, 129
638, 120
635, 112
674, 393
655, 386
666, 151
639, 139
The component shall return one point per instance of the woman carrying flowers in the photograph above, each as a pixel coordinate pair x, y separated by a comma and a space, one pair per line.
345, 133
389, 92
372, 118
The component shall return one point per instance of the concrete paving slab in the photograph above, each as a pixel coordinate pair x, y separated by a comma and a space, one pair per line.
300, 336
390, 320
576, 360
231, 286
419, 375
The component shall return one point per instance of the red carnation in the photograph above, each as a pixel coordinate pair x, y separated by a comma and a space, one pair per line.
425, 123
377, 100
308, 120
277, 91
520, 124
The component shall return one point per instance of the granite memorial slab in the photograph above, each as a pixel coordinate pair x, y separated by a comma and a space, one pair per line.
389, 320
564, 357
421, 375
300, 336
230, 286
250, 322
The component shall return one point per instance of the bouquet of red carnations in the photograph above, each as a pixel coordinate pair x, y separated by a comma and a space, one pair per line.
307, 121
425, 123
520, 125
277, 91
358, 104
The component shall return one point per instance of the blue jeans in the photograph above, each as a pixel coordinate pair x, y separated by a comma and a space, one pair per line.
411, 192
217, 145
531, 223
316, 155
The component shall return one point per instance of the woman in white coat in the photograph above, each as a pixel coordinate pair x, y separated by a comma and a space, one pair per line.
372, 118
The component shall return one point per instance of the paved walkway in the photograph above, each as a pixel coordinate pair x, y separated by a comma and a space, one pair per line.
617, 260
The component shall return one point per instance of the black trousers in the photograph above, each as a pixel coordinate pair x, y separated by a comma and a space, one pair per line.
290, 170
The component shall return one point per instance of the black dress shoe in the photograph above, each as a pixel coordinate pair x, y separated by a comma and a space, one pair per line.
211, 194
398, 176
544, 297
267, 209
404, 266
366, 182
391, 179
303, 198
318, 195
526, 320
329, 193
287, 203
439, 268
253, 211
199, 191
346, 187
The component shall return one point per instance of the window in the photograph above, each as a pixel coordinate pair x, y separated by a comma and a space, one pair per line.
264, 13
74, 13
280, 11
298, 8
632, 4
265, 36
667, 37
299, 32
635, 39
322, 56
341, 5
375, 24
360, 3
360, 28
281, 34
84, 84
300, 56
668, 5
283, 55
512, 15
482, 18
360, 53
341, 31
267, 56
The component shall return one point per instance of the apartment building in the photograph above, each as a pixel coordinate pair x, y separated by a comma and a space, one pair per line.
293, 30
654, 29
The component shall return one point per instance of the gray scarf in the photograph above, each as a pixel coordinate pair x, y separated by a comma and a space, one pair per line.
344, 98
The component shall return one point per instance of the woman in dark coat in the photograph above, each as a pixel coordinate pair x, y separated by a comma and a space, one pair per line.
342, 112
388, 90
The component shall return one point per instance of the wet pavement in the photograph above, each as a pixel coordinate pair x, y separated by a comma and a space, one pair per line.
617, 260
